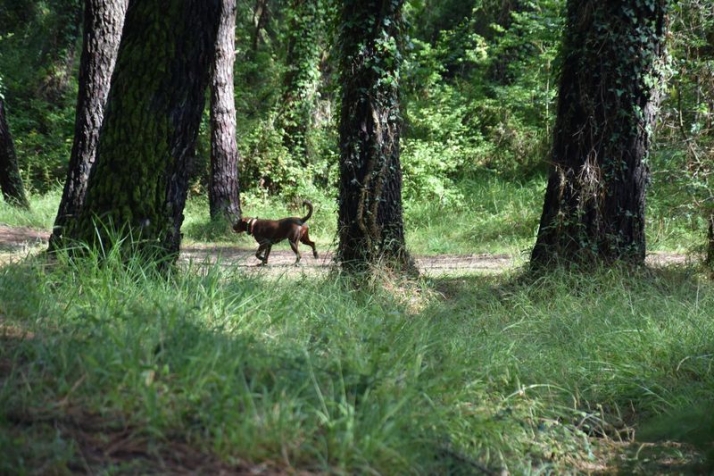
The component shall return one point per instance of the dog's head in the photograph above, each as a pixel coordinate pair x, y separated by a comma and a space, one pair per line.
241, 226
244, 225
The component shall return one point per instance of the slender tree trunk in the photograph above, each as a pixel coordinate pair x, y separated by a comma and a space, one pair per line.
261, 15
709, 259
138, 186
103, 22
302, 76
10, 181
223, 189
370, 224
594, 210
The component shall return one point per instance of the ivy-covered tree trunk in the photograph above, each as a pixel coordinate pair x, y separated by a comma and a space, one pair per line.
223, 188
302, 76
10, 180
594, 209
103, 22
370, 224
137, 188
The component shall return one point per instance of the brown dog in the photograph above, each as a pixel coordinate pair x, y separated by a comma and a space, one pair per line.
269, 232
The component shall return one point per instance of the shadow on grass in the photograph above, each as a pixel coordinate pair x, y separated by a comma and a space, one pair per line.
82, 397
676, 443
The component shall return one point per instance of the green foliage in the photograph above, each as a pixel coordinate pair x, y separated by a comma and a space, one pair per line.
40, 216
684, 152
492, 216
38, 48
459, 118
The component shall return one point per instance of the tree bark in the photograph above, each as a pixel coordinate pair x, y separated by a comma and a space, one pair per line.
370, 223
138, 186
223, 188
709, 258
10, 180
103, 23
594, 210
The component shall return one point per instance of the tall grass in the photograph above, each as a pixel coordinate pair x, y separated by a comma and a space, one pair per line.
495, 216
111, 367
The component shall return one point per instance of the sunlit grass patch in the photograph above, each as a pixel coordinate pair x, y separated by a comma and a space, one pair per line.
495, 216
42, 213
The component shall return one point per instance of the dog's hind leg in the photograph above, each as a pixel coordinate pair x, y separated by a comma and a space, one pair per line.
305, 238
294, 246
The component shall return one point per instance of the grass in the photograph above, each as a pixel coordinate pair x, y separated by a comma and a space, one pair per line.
111, 368
495, 217
41, 215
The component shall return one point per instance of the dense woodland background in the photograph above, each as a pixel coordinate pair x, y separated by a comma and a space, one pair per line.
478, 91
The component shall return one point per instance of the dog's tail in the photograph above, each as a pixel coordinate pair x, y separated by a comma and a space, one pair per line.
308, 204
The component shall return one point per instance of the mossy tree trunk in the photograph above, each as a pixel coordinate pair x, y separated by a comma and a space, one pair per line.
370, 222
11, 185
103, 22
138, 185
223, 187
594, 210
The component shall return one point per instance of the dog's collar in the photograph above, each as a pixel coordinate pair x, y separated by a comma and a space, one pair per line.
251, 222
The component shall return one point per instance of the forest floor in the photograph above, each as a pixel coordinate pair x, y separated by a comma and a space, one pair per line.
19, 241
611, 457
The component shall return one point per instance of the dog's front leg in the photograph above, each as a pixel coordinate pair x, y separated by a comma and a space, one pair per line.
265, 249
268, 247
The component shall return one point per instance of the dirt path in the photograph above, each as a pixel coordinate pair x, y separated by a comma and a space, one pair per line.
18, 241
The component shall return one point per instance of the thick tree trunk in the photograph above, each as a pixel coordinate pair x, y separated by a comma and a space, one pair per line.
223, 188
594, 209
103, 22
371, 228
137, 188
10, 181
